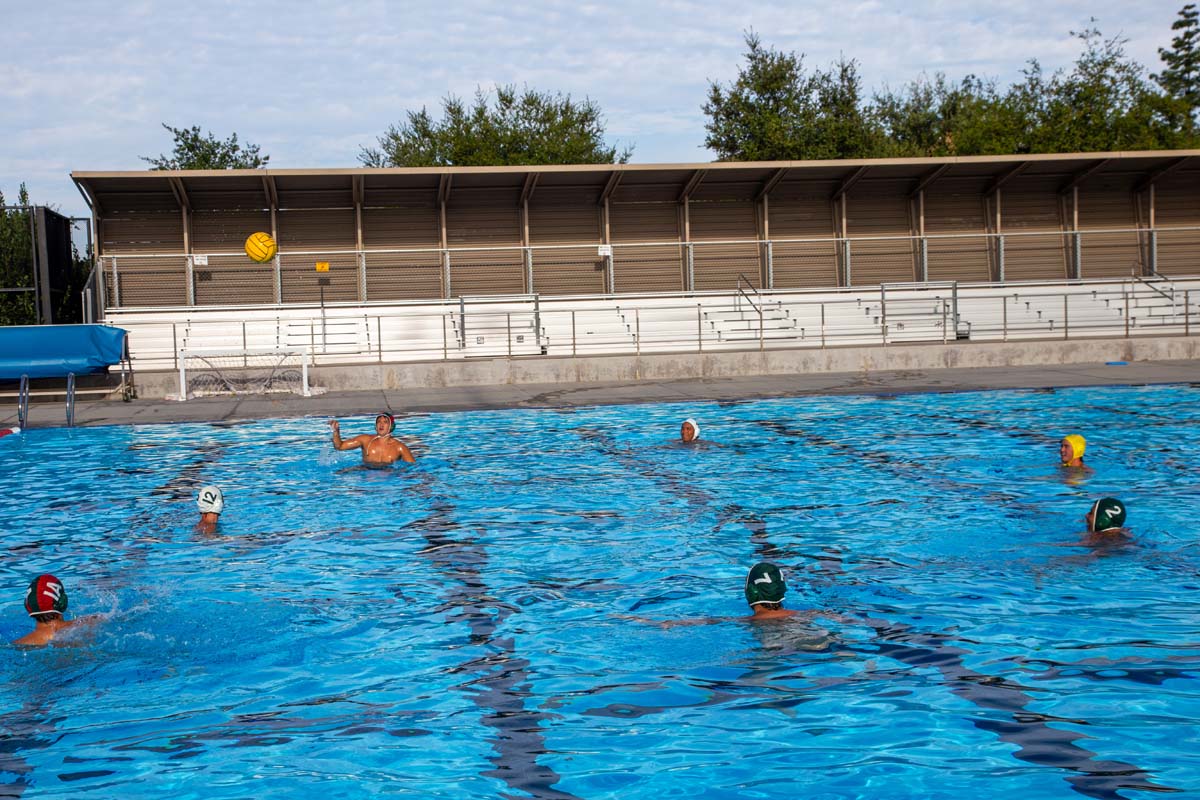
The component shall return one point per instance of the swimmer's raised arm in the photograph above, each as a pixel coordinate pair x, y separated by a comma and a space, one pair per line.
345, 444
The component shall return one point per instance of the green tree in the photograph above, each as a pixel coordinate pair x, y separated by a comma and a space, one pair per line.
776, 110
527, 127
196, 150
1181, 76
933, 117
16, 262
16, 269
1103, 103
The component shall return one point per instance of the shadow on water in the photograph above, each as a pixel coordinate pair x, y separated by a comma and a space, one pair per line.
497, 682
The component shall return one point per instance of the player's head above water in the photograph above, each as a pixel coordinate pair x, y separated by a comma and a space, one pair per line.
210, 500
765, 585
1106, 514
1071, 448
46, 598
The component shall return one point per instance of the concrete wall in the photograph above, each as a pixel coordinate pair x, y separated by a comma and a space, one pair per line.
620, 368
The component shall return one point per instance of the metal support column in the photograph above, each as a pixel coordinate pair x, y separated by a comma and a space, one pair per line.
691, 268
1077, 258
278, 281
1000, 258
191, 279
362, 277
770, 266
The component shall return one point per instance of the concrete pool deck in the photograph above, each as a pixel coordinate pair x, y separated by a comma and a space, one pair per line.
559, 395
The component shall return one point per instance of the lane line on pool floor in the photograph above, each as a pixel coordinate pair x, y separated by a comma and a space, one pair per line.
497, 683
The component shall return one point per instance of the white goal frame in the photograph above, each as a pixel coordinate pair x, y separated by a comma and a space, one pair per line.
184, 354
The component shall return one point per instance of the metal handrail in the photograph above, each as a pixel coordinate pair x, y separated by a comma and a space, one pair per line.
1169, 296
740, 279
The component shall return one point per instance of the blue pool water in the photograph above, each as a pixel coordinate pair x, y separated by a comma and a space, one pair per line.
481, 625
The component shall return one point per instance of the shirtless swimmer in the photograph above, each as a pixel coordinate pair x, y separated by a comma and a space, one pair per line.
379, 450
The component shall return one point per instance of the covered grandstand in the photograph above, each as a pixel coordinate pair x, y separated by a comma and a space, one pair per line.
174, 238
462, 262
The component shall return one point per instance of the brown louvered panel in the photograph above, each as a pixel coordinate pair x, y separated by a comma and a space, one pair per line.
954, 206
1109, 255
227, 200
646, 269
1034, 257
802, 210
223, 231
730, 221
152, 202
318, 232
475, 272
658, 268
324, 229
803, 265
332, 199
1107, 203
160, 232
555, 224
717, 266
1179, 252
404, 276
880, 208
298, 277
148, 281
888, 261
473, 226
1177, 204
234, 280
1177, 199
386, 228
1029, 205
571, 270
483, 271
959, 259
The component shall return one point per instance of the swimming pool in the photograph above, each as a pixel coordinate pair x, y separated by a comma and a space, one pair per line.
461, 628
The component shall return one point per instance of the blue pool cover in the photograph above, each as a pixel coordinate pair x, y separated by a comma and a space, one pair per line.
52, 351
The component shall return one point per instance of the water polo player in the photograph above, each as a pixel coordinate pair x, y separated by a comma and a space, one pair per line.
379, 450
46, 602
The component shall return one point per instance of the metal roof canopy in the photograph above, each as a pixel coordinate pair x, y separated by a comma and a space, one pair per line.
163, 190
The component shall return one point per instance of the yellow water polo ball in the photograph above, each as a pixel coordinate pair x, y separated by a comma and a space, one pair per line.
261, 247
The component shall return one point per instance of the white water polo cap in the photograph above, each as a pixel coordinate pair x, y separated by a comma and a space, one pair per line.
695, 427
210, 500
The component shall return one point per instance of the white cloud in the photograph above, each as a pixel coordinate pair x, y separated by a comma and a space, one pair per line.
86, 86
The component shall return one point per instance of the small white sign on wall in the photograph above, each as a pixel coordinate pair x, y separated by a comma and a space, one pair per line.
200, 261
604, 251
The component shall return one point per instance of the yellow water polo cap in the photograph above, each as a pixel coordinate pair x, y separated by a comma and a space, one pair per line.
1078, 445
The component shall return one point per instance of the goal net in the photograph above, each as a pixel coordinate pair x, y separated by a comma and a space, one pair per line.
241, 372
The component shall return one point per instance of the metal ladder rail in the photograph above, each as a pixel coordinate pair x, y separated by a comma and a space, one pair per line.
70, 399
23, 403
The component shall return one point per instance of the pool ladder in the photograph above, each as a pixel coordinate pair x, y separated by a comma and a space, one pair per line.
23, 401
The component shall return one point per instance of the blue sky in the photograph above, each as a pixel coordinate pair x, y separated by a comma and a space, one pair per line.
84, 86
